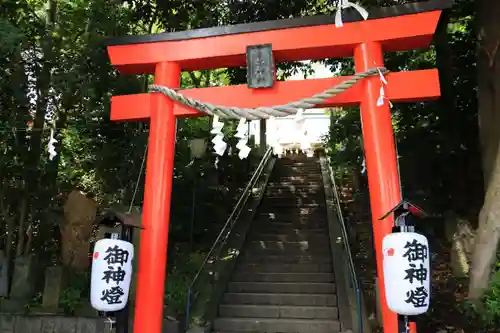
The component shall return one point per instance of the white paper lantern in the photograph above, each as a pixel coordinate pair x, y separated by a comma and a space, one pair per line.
111, 274
406, 272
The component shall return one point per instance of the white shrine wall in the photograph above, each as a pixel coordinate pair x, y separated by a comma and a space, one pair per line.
316, 121
316, 125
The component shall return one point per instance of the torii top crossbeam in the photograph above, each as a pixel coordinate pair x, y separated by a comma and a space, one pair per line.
397, 28
292, 40
388, 29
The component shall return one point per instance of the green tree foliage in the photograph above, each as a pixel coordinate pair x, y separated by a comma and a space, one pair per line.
437, 141
53, 57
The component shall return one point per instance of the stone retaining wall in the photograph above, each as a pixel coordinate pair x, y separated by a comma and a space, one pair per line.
59, 324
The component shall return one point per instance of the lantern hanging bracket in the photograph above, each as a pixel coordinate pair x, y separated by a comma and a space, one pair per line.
404, 216
405, 207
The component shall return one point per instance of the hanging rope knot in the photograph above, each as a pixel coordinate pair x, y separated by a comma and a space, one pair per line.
344, 4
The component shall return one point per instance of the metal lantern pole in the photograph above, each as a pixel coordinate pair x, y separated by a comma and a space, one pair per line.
198, 148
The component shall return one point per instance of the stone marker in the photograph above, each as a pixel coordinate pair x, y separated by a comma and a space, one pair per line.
23, 284
461, 250
54, 285
76, 231
4, 275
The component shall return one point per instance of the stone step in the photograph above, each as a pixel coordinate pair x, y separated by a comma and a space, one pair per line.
287, 194
305, 162
286, 268
310, 235
294, 204
289, 190
291, 221
249, 258
292, 190
298, 162
294, 184
299, 177
299, 211
299, 230
303, 229
280, 204
289, 251
304, 166
298, 173
268, 325
291, 231
273, 311
283, 277
282, 287
305, 175
297, 192
295, 235
301, 246
294, 170
297, 198
294, 197
280, 299
285, 227
293, 215
290, 214
290, 245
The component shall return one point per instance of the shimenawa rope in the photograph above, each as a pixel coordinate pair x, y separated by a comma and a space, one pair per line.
233, 112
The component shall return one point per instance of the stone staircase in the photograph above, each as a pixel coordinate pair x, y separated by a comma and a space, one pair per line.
284, 280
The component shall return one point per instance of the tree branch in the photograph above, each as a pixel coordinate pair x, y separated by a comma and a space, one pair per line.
196, 80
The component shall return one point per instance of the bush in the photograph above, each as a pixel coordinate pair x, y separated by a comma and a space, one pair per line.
179, 278
72, 296
489, 309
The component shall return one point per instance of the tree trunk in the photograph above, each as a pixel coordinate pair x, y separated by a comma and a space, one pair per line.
9, 226
22, 211
31, 170
488, 54
484, 255
488, 71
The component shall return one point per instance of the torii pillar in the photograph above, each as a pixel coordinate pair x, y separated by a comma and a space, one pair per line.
388, 29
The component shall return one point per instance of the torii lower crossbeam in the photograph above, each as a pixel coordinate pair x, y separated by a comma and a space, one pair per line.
402, 87
166, 55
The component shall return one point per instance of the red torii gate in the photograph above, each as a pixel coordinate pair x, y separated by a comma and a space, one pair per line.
388, 29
